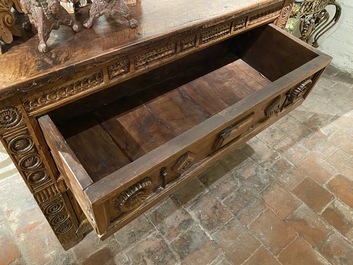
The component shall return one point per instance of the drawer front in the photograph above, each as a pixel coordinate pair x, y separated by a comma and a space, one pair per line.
124, 204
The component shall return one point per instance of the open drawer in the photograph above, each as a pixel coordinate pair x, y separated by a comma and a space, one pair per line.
124, 149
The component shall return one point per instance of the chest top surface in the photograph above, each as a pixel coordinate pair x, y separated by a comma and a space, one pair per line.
22, 66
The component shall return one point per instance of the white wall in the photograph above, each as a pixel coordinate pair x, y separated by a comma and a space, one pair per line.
338, 41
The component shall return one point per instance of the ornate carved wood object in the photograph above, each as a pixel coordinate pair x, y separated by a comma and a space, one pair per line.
7, 20
112, 8
47, 15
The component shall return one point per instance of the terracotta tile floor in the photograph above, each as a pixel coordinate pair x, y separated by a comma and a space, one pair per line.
285, 198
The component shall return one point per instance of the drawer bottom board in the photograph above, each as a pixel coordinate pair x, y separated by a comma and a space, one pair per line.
108, 138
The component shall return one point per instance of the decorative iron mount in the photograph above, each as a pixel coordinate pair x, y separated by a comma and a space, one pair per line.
314, 18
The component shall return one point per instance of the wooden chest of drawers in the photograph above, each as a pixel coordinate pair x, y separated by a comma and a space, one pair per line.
114, 119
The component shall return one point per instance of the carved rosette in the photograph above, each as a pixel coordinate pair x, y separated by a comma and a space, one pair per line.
9, 117
134, 196
299, 91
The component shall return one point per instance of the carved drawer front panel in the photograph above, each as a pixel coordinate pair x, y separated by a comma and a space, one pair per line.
234, 131
121, 158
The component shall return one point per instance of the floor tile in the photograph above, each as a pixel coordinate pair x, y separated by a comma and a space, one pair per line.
337, 250
262, 256
152, 250
170, 219
342, 162
236, 241
300, 253
342, 187
209, 212
314, 195
316, 168
309, 226
280, 201
273, 231
195, 246
340, 217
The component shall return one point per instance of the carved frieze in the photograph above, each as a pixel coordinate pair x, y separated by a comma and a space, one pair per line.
215, 32
285, 13
240, 23
264, 15
188, 43
46, 194
20, 144
64, 91
119, 69
144, 59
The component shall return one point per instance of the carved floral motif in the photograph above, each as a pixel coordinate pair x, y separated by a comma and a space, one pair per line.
134, 196
65, 91
299, 91
9, 117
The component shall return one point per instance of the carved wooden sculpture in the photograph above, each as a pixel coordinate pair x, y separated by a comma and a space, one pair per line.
7, 20
47, 15
113, 8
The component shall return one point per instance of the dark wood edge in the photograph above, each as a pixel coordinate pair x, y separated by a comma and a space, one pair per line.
57, 143
195, 170
36, 82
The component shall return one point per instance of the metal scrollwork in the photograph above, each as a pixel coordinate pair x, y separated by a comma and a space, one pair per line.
315, 19
134, 196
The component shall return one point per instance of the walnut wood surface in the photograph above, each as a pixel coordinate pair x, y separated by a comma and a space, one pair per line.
138, 126
74, 52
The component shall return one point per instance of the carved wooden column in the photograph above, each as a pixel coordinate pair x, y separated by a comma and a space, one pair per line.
285, 13
31, 159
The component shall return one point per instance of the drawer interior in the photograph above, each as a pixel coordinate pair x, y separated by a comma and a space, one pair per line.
117, 126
